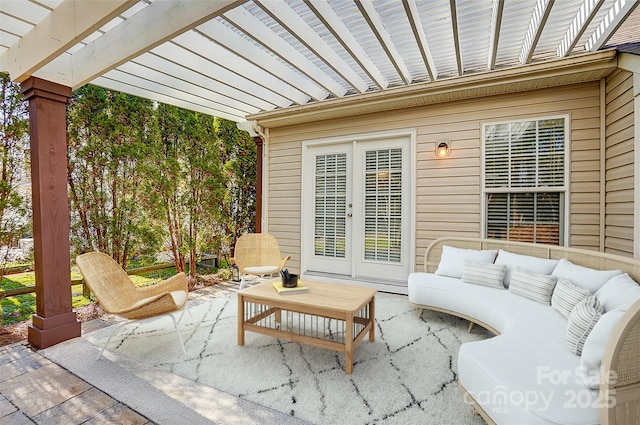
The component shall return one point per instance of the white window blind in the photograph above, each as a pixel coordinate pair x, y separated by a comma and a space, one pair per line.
383, 205
330, 205
524, 180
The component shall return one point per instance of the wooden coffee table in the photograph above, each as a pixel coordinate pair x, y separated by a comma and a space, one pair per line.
331, 316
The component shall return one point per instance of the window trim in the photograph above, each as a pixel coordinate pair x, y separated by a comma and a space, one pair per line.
565, 224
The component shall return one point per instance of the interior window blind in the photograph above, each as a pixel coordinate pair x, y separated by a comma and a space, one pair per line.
330, 205
383, 205
525, 180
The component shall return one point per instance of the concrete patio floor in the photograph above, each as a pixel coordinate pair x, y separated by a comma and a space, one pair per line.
64, 384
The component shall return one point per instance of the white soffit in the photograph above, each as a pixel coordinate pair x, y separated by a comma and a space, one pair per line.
237, 58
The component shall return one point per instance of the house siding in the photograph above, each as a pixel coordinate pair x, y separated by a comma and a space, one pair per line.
448, 192
619, 163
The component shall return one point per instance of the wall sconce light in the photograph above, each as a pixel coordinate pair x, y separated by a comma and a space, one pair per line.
443, 148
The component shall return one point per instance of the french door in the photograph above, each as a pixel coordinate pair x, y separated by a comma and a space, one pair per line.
356, 209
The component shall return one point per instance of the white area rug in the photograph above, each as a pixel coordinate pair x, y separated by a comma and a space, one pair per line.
407, 376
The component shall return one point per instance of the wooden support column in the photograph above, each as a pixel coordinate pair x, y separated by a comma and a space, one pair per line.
54, 320
259, 152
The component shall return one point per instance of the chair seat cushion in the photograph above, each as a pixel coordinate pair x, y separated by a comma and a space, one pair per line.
179, 297
261, 270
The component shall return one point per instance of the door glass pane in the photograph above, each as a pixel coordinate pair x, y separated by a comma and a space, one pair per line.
383, 205
330, 209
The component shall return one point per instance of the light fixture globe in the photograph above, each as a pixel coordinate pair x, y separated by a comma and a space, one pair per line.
442, 149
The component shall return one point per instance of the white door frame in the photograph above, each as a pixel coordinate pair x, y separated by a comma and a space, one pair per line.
362, 137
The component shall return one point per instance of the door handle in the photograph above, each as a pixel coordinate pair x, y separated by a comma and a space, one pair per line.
349, 214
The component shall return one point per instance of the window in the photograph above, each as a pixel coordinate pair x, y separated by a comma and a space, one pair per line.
525, 180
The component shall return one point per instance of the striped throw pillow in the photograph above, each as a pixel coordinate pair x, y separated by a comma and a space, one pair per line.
537, 287
566, 295
483, 274
582, 319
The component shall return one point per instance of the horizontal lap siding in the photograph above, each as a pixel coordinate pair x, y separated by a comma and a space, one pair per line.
619, 164
448, 193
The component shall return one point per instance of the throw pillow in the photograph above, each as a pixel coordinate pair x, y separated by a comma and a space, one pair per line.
566, 295
531, 285
582, 319
483, 274
595, 344
528, 263
452, 259
618, 291
583, 277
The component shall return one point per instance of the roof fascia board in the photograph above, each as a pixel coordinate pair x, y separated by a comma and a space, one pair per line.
597, 64
629, 62
64, 27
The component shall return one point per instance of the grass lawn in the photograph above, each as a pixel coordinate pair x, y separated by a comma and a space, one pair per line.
21, 307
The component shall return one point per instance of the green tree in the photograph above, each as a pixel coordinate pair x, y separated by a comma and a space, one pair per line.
238, 154
108, 146
187, 179
15, 193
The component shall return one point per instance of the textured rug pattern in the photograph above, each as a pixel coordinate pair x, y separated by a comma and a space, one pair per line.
408, 375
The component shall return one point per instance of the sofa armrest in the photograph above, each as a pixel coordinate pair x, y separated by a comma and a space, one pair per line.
620, 372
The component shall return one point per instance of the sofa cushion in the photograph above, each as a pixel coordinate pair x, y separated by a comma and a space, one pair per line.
452, 260
528, 263
527, 376
618, 291
582, 319
448, 293
532, 285
583, 277
483, 274
595, 344
526, 359
566, 295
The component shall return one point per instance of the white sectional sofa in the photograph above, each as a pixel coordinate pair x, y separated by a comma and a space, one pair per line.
545, 304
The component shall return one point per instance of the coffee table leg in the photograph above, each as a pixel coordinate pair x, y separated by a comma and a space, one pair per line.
348, 350
240, 320
372, 319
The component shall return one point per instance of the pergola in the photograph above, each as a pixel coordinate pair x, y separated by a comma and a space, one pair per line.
240, 59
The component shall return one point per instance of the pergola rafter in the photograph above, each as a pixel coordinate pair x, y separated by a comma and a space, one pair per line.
612, 21
234, 42
536, 26
334, 24
421, 37
494, 35
292, 22
370, 14
579, 25
263, 35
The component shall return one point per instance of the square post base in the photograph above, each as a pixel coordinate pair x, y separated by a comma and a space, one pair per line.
47, 331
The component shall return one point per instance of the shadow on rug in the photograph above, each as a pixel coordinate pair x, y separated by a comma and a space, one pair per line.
408, 375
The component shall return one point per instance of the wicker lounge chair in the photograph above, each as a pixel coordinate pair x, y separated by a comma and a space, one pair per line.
258, 254
117, 294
